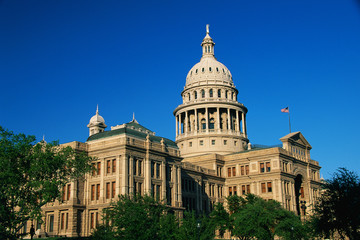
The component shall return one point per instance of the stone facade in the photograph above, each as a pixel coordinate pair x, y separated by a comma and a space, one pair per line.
210, 159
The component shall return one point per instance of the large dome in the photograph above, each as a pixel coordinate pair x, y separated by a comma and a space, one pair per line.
208, 70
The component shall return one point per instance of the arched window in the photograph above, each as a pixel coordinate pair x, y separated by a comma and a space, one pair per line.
211, 93
210, 69
219, 93
203, 69
196, 71
189, 96
195, 94
203, 124
226, 94
232, 96
211, 123
202, 93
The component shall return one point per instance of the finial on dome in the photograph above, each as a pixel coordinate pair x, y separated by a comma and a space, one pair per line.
208, 44
97, 108
134, 120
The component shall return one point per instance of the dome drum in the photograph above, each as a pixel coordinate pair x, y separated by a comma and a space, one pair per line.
210, 119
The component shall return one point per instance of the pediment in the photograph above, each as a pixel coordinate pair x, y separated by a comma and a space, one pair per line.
296, 138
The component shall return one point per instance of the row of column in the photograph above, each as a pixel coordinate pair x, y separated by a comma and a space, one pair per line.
179, 122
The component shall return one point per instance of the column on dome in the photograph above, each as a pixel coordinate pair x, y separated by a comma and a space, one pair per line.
244, 124
219, 119
207, 119
196, 120
180, 129
228, 119
186, 122
237, 121
176, 125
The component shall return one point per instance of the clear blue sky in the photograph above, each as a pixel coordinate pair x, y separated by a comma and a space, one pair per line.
59, 59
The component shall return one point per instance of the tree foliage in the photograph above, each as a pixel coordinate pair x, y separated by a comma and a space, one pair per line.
144, 218
32, 175
195, 227
338, 209
138, 217
255, 218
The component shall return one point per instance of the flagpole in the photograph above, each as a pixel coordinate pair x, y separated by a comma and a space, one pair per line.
289, 120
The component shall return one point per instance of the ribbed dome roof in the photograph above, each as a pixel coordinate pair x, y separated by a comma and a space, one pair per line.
208, 69
96, 119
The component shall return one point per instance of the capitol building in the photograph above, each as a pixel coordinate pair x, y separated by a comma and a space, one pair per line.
210, 159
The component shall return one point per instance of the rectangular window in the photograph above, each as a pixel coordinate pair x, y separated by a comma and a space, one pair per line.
302, 193
113, 189
51, 225
229, 172
96, 219
201, 143
108, 166
158, 170
68, 192
107, 190
262, 167
62, 221
235, 190
67, 221
242, 168
234, 171
269, 187
190, 144
230, 191
169, 175
243, 189
92, 192
92, 219
98, 168
247, 169
212, 142
225, 142
93, 169
38, 225
140, 188
152, 169
263, 188
268, 168
64, 193
97, 191
134, 166
114, 165
139, 167
248, 189
158, 192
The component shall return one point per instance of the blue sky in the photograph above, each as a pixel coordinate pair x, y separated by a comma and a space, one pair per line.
59, 59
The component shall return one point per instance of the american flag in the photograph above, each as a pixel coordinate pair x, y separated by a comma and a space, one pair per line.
285, 110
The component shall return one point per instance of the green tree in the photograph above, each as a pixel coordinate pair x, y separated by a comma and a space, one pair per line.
253, 217
220, 218
338, 209
140, 217
32, 175
195, 227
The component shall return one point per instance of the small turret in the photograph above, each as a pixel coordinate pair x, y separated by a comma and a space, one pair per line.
96, 124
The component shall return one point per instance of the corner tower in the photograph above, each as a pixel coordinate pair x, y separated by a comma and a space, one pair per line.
96, 124
210, 119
